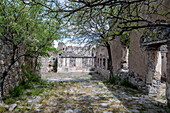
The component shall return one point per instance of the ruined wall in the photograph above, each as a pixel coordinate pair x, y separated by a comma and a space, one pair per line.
44, 64
15, 73
75, 64
75, 58
102, 60
168, 76
47, 63
137, 56
116, 50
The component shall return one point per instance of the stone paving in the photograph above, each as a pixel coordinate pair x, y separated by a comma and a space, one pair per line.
84, 93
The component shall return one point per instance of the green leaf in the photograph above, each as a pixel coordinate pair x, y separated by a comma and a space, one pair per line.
164, 13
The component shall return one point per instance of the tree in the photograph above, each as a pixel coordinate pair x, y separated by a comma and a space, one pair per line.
100, 21
128, 15
95, 29
27, 31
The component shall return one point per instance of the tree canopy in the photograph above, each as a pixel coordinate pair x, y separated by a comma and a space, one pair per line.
27, 30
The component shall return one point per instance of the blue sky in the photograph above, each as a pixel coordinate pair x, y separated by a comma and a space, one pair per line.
61, 0
66, 41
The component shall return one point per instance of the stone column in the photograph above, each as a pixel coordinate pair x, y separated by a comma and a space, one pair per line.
102, 63
99, 61
106, 63
63, 62
68, 62
168, 75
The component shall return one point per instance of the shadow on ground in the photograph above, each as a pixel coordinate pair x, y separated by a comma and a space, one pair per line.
88, 93
134, 100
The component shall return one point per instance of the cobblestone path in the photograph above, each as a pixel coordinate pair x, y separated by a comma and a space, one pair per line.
84, 93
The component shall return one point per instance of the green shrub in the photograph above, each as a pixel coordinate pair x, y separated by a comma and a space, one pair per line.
90, 73
8, 100
17, 91
29, 93
2, 109
113, 80
97, 72
127, 84
35, 78
37, 91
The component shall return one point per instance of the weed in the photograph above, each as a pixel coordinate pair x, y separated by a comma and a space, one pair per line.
29, 93
47, 95
9, 100
96, 82
21, 98
2, 109
37, 91
40, 101
17, 91
163, 97
102, 98
101, 86
97, 73
90, 73
130, 91
127, 84
113, 80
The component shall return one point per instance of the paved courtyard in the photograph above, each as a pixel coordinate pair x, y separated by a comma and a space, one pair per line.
85, 93
72, 76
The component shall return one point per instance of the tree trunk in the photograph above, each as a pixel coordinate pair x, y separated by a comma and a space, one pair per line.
110, 59
35, 65
2, 83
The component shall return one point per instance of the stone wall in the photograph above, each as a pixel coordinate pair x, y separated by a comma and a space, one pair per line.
144, 66
75, 58
77, 64
102, 60
137, 56
117, 53
168, 76
47, 63
15, 73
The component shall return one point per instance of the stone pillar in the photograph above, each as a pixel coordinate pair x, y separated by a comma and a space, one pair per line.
99, 61
168, 75
68, 62
106, 63
102, 63
63, 62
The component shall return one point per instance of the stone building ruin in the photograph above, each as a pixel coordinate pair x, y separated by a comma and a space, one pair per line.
47, 63
75, 59
144, 65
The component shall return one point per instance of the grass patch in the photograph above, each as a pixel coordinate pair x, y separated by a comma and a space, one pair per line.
96, 82
90, 73
127, 84
34, 83
17, 91
117, 81
163, 97
8, 100
97, 73
114, 80
35, 92
2, 109
130, 91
